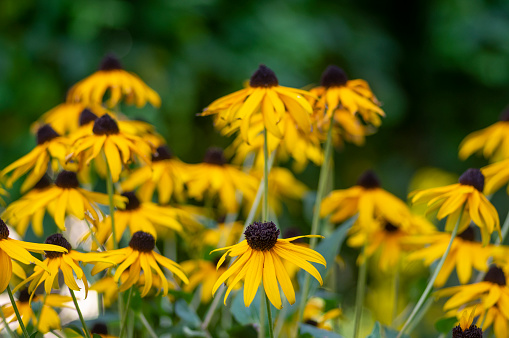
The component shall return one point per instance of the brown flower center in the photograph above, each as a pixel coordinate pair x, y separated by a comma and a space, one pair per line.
215, 156
262, 236
263, 77
45, 134
105, 125
162, 153
468, 234
473, 177
390, 227
23, 295
142, 241
67, 180
57, 239
132, 201
87, 116
4, 230
495, 275
472, 332
43, 183
368, 180
110, 62
99, 328
333, 76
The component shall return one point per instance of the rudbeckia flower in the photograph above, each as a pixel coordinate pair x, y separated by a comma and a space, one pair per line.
204, 273
488, 299
139, 257
465, 253
120, 83
315, 315
214, 177
50, 147
167, 175
18, 250
492, 142
49, 319
259, 258
366, 199
118, 147
264, 96
467, 196
466, 328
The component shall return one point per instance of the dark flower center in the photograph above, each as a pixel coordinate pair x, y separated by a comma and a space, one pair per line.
390, 227
57, 239
215, 156
468, 234
105, 125
162, 153
4, 230
132, 201
495, 275
99, 328
45, 134
67, 180
472, 332
333, 76
24, 296
110, 62
142, 241
263, 77
473, 177
368, 180
43, 183
87, 116
262, 236
311, 322
504, 116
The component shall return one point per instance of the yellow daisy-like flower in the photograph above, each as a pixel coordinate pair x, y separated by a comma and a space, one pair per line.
117, 146
492, 142
50, 147
466, 328
368, 200
19, 251
264, 95
465, 253
259, 259
139, 257
49, 319
223, 235
214, 177
314, 314
167, 175
120, 83
464, 196
488, 299
204, 273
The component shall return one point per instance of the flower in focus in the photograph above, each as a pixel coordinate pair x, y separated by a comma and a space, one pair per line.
488, 299
119, 82
265, 96
139, 257
466, 328
18, 250
466, 199
314, 314
259, 255
50, 146
202, 272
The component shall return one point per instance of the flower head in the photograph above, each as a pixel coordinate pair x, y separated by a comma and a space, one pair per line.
315, 314
259, 255
466, 328
204, 273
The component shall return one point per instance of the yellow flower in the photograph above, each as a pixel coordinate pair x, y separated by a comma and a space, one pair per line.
214, 177
119, 82
50, 146
18, 250
49, 319
223, 235
465, 253
66, 262
465, 327
496, 175
266, 97
467, 196
488, 299
137, 257
366, 199
260, 255
492, 141
167, 175
314, 314
202, 272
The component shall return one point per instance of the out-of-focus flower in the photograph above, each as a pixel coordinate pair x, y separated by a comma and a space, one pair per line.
223, 235
466, 328
204, 273
315, 314
496, 175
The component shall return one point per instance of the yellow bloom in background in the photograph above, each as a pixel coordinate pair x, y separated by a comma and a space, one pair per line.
120, 83
367, 199
264, 96
314, 314
204, 273
496, 175
50, 147
139, 257
167, 175
49, 319
260, 255
492, 142
488, 299
223, 235
464, 196
214, 177
18, 250
465, 253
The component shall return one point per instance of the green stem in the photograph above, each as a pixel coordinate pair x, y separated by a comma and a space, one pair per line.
361, 291
109, 187
269, 317
7, 327
261, 329
145, 323
432, 280
505, 229
126, 312
85, 330
16, 311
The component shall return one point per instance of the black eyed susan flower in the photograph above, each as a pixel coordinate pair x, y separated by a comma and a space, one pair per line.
259, 258
315, 314
466, 328
467, 196
120, 83
264, 96
140, 257
214, 177
50, 147
19, 251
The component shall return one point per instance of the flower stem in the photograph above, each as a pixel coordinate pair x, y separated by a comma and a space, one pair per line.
109, 187
16, 311
361, 291
145, 323
505, 229
432, 280
261, 329
123, 325
85, 330
7, 327
269, 316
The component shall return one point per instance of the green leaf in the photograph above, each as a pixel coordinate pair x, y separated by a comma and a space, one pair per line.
380, 331
187, 314
445, 325
246, 315
316, 332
